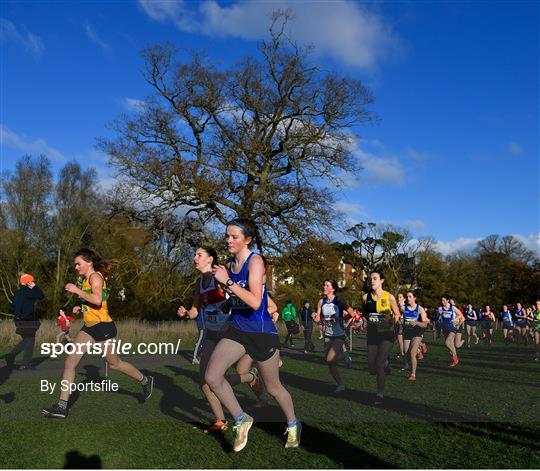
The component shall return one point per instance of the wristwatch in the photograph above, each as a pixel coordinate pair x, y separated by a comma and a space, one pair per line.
229, 282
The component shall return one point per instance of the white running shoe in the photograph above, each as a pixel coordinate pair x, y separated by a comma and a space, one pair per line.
241, 430
293, 438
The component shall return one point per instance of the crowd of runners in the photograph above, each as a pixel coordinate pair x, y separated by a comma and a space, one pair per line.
237, 320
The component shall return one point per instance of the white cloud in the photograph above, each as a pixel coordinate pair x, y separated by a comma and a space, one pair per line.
133, 104
379, 169
342, 29
416, 225
350, 209
378, 166
462, 244
31, 42
531, 241
418, 155
515, 149
93, 36
36, 147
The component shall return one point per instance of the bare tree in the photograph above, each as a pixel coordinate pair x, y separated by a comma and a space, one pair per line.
507, 245
266, 139
515, 249
386, 246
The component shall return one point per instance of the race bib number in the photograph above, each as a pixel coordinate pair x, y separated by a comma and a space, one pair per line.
375, 317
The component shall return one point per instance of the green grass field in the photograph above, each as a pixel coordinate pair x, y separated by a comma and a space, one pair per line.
483, 414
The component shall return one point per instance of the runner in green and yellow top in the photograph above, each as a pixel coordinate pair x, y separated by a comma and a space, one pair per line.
536, 329
98, 328
92, 314
383, 313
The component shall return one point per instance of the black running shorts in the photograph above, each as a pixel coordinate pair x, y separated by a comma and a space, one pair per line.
411, 332
376, 336
259, 346
101, 331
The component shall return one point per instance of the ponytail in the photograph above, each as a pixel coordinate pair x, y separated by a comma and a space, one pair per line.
99, 264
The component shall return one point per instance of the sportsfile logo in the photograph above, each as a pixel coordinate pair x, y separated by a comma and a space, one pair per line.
53, 350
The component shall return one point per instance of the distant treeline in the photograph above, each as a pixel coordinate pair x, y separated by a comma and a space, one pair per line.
44, 220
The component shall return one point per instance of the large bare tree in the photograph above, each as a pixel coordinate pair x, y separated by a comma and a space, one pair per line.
266, 139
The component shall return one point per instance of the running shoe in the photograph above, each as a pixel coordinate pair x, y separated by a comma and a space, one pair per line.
256, 385
241, 431
217, 426
54, 412
195, 361
339, 389
280, 364
379, 400
412, 378
293, 436
419, 355
476, 341
148, 388
455, 361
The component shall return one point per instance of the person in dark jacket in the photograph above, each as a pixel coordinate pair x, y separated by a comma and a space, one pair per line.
26, 320
307, 324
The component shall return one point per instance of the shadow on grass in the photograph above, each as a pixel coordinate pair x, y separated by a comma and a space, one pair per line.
178, 404
271, 420
74, 460
317, 387
459, 373
92, 375
315, 440
507, 434
5, 373
410, 409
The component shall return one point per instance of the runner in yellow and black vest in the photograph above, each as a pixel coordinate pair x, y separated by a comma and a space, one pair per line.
98, 328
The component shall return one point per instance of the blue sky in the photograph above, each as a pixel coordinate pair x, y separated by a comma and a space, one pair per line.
455, 155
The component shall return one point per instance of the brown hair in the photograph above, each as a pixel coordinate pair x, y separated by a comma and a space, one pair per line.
248, 227
100, 265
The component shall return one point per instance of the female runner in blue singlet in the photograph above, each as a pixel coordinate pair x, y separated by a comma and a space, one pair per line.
520, 320
415, 321
471, 322
451, 319
250, 331
507, 324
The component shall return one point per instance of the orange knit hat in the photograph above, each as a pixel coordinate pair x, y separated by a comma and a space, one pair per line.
26, 278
